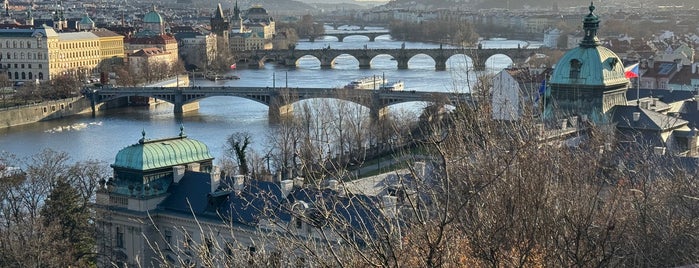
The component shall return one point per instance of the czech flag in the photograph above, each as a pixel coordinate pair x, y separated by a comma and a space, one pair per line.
631, 71
233, 66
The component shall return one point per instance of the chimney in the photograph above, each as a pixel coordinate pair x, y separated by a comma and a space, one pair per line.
419, 168
279, 176
193, 167
333, 185
298, 182
644, 104
389, 206
238, 183
286, 186
636, 116
177, 173
564, 124
215, 178
659, 150
574, 121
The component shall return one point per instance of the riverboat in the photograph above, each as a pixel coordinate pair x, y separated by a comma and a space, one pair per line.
370, 82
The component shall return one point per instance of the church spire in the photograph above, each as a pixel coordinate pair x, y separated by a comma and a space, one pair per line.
590, 26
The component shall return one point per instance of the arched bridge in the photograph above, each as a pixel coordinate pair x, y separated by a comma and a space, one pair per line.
279, 100
327, 56
341, 35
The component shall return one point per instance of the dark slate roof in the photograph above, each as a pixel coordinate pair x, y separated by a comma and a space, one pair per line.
257, 200
690, 112
663, 95
648, 120
192, 189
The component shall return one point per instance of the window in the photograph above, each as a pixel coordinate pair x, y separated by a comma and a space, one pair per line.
31, 77
168, 236
575, 69
29, 65
24, 76
29, 45
41, 76
119, 238
299, 223
40, 66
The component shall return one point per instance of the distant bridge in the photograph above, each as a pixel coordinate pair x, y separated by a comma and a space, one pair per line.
341, 35
327, 56
279, 100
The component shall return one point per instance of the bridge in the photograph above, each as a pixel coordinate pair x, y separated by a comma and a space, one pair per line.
327, 56
279, 100
341, 35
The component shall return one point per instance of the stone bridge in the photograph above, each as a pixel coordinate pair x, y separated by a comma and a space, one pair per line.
279, 100
327, 56
341, 35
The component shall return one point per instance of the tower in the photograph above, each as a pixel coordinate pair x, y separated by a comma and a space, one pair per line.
588, 80
220, 24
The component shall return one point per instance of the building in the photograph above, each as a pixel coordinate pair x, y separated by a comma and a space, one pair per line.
196, 48
166, 194
517, 89
38, 54
588, 86
153, 35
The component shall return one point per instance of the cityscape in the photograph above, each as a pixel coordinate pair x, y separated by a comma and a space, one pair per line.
414, 133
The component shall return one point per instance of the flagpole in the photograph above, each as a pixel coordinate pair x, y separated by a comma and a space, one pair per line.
638, 86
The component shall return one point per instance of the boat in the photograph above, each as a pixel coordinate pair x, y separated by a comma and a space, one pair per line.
393, 86
216, 77
370, 82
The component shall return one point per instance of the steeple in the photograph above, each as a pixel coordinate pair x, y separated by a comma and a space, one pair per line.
219, 12
236, 11
590, 26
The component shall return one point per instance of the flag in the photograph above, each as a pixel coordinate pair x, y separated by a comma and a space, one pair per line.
233, 66
542, 90
631, 71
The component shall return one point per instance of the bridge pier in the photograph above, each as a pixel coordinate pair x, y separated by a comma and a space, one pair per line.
326, 63
372, 38
340, 38
402, 63
440, 64
364, 62
277, 112
477, 66
378, 114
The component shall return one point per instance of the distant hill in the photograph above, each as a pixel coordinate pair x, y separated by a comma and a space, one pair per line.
519, 4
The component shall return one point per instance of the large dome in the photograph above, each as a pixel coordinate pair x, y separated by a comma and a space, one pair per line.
590, 66
162, 153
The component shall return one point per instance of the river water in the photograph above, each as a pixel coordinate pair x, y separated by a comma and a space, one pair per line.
101, 137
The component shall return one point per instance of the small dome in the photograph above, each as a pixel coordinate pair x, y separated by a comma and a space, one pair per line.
162, 153
86, 20
153, 17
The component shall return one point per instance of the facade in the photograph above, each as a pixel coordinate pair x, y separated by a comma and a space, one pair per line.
196, 48
517, 89
38, 54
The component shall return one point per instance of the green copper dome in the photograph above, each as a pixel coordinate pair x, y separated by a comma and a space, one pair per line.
153, 17
162, 153
590, 64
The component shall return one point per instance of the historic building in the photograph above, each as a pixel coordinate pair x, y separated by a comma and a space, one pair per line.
589, 86
40, 53
153, 35
166, 201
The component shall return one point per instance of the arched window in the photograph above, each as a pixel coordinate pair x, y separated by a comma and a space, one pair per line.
38, 55
575, 69
14, 44
21, 55
41, 66
31, 77
41, 76
24, 76
8, 55
29, 45
16, 75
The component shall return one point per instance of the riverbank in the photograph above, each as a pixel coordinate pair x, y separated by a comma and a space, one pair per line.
56, 109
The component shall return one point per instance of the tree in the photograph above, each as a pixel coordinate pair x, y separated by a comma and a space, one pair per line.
237, 146
67, 216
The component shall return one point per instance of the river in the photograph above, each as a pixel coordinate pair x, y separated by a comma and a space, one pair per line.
101, 137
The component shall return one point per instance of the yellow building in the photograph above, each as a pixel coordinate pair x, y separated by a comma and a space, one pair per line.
37, 55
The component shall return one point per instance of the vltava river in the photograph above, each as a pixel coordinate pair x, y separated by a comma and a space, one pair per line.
84, 137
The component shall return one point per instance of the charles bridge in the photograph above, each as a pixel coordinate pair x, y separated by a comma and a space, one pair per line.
279, 100
327, 56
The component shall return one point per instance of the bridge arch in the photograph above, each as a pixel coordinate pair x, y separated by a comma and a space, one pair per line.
384, 59
307, 61
345, 60
459, 62
421, 58
497, 62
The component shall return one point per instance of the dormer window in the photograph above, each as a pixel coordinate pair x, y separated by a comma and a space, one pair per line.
575, 69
